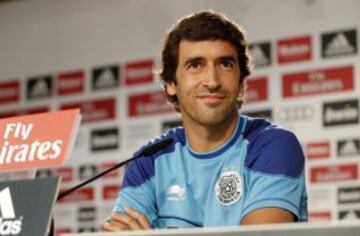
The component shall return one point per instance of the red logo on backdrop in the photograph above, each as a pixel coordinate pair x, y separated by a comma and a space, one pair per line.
112, 174
70, 82
318, 82
318, 150
256, 90
320, 216
21, 112
83, 194
147, 104
139, 72
110, 191
333, 173
66, 173
9, 92
294, 49
59, 231
96, 110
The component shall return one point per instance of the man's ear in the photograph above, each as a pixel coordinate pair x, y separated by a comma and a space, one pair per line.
171, 88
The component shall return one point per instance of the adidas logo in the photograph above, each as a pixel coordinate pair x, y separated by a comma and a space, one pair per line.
105, 80
350, 215
9, 225
349, 147
339, 45
259, 56
40, 89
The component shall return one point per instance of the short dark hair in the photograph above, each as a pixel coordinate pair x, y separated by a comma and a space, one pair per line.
203, 25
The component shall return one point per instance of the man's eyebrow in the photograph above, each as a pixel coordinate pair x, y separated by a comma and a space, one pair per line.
227, 58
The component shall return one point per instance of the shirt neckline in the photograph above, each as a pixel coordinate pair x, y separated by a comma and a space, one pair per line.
220, 150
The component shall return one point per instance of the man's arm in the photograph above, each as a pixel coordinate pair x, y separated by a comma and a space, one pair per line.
132, 220
274, 179
267, 216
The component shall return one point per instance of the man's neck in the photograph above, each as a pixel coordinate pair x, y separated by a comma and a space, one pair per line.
207, 138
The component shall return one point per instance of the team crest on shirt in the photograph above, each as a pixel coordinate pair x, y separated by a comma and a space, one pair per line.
228, 188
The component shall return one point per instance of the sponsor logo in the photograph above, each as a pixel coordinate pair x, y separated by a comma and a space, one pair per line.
266, 114
339, 43
256, 90
86, 229
59, 231
86, 214
175, 193
296, 113
44, 173
318, 82
110, 192
349, 215
294, 49
341, 113
228, 188
81, 195
71, 82
27, 143
107, 165
9, 224
320, 216
318, 150
104, 139
39, 87
9, 92
348, 147
349, 195
261, 54
95, 110
105, 77
87, 171
148, 103
21, 112
66, 173
341, 172
139, 72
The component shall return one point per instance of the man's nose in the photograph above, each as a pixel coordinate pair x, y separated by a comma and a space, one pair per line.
212, 81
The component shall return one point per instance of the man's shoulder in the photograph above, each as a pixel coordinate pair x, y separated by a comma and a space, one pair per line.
143, 168
272, 149
258, 128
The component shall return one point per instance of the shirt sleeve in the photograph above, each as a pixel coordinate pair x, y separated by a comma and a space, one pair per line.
274, 173
138, 190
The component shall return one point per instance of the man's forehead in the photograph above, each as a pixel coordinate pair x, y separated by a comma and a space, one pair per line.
204, 48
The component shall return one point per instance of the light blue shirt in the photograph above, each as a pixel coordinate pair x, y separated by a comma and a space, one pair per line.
261, 165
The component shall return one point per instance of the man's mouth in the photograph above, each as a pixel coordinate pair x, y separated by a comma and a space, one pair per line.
212, 98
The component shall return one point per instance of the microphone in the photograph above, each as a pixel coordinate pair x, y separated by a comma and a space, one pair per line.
148, 151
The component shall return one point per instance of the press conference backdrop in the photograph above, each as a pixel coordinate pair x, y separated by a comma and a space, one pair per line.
99, 57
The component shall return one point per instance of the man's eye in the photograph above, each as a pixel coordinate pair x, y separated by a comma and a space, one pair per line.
193, 65
227, 64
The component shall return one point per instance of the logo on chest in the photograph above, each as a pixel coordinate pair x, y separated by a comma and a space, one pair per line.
175, 193
228, 188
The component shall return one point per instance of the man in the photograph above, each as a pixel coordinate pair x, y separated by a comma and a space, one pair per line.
222, 168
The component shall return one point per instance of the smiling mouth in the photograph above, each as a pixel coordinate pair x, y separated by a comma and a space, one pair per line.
212, 99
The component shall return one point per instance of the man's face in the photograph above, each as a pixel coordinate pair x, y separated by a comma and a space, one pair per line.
207, 81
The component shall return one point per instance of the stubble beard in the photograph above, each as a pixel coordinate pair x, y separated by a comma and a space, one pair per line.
211, 117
